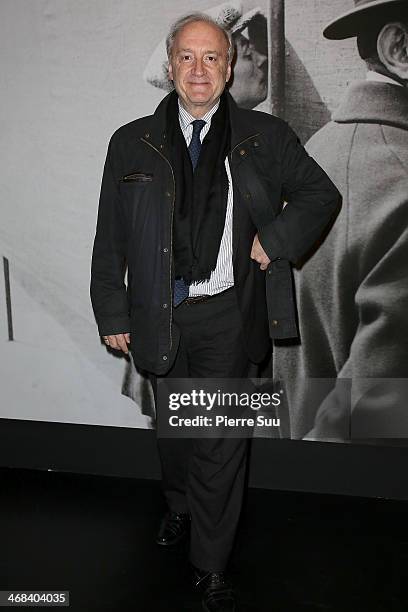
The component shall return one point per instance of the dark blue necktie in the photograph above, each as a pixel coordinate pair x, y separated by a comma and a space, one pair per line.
194, 148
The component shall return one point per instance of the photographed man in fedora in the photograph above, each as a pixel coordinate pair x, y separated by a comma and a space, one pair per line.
191, 204
352, 293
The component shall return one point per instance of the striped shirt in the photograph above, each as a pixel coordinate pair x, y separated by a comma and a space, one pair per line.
222, 277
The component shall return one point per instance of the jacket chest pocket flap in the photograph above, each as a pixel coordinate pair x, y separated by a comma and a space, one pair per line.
135, 189
137, 178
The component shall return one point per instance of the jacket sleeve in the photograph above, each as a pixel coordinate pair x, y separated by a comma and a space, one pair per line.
108, 267
311, 199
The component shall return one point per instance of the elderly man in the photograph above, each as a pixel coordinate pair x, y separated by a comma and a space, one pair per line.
191, 203
249, 82
248, 85
352, 293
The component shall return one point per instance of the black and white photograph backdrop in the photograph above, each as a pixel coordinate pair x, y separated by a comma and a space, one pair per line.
320, 507
72, 72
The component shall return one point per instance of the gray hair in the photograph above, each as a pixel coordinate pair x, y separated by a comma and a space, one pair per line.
193, 18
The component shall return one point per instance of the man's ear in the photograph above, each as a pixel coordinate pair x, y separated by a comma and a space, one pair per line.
170, 71
392, 48
228, 73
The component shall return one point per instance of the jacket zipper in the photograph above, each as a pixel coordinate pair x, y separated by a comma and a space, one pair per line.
231, 164
171, 232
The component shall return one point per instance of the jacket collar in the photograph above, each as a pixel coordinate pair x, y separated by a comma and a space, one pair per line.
374, 102
241, 127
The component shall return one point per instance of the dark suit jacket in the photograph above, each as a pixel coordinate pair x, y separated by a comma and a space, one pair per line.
135, 219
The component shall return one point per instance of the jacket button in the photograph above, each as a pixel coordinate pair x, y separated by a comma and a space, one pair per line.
269, 271
165, 250
242, 151
165, 305
247, 196
164, 357
274, 322
256, 143
147, 135
168, 194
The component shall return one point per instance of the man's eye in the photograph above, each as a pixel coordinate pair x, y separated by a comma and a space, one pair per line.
186, 58
211, 58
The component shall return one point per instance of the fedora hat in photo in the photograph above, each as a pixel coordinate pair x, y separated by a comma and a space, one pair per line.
228, 14
353, 21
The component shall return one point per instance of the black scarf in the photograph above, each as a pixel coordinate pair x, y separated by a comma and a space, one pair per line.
201, 196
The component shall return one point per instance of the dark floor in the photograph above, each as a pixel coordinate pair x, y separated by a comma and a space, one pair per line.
298, 552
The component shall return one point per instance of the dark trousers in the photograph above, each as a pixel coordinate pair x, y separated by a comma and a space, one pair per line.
205, 477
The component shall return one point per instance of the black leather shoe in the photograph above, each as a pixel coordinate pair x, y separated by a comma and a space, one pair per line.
218, 594
174, 527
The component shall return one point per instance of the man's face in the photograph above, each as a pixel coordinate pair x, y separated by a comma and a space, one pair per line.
250, 83
198, 66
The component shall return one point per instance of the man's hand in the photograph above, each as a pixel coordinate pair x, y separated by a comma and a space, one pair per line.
259, 255
118, 342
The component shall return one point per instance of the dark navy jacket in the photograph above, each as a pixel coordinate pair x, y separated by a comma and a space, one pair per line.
134, 230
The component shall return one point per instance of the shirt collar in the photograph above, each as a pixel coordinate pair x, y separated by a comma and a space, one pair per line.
377, 76
186, 119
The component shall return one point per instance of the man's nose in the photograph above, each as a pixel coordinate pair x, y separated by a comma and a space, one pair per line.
198, 67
